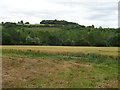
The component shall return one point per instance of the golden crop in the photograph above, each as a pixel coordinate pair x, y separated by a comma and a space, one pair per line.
66, 50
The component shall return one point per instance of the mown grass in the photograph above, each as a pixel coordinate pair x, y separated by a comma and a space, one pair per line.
79, 78
57, 71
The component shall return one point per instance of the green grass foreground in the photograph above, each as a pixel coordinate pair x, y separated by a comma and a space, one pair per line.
90, 58
57, 71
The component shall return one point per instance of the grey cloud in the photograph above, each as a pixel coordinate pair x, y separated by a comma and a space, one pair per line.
74, 10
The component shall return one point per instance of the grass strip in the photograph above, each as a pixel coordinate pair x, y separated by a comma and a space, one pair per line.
62, 57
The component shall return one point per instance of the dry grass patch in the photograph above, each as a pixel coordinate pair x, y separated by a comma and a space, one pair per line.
38, 72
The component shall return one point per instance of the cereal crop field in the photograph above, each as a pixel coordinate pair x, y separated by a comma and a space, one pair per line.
67, 50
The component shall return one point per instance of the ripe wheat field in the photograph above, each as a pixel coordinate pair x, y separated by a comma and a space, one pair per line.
66, 50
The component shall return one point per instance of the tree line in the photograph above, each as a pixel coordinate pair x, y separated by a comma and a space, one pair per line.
72, 34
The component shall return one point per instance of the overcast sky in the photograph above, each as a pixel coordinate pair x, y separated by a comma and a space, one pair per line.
85, 12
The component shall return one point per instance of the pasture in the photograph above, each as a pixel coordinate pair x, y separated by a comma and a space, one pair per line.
60, 67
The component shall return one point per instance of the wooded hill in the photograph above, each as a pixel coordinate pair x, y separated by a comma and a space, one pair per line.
58, 33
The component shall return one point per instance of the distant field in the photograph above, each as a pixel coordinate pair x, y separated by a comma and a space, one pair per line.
43, 29
0, 27
68, 50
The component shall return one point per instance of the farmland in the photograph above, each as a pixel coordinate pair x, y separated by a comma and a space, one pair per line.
60, 67
42, 29
59, 54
